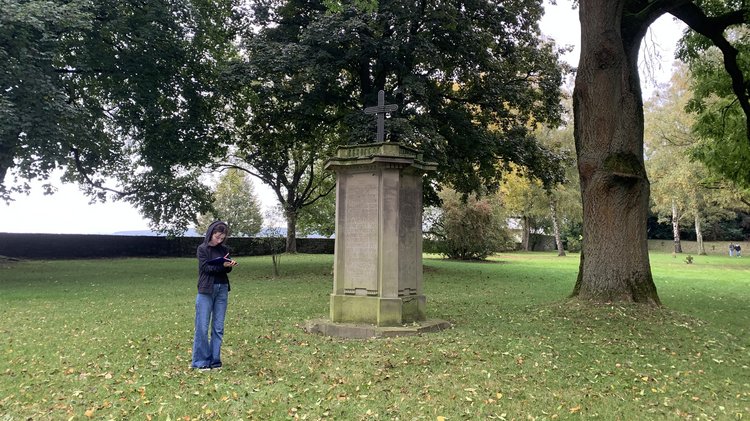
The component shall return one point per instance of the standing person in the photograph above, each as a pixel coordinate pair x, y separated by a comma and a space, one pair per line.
738, 250
731, 249
213, 292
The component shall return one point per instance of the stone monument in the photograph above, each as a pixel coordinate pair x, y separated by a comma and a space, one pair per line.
377, 275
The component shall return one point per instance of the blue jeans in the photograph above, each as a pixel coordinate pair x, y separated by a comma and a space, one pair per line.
209, 309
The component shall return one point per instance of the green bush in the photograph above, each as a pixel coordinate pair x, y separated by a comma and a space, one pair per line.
432, 246
574, 244
472, 229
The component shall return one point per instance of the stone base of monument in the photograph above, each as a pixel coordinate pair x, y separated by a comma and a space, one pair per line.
367, 331
377, 310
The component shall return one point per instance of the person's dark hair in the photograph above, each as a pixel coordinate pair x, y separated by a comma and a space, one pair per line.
220, 228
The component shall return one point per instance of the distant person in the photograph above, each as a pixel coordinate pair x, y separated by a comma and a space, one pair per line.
731, 249
737, 250
213, 292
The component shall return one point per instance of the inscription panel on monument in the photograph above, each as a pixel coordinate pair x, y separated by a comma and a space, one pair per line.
361, 234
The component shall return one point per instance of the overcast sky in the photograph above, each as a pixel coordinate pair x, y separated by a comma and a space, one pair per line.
68, 211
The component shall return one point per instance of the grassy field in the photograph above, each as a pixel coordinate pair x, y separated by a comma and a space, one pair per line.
713, 248
111, 339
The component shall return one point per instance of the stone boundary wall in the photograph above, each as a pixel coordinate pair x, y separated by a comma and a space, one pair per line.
82, 246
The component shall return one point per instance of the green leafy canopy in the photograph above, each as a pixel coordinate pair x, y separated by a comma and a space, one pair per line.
119, 94
469, 79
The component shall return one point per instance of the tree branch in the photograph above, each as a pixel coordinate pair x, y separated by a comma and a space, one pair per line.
83, 71
320, 195
97, 185
640, 14
713, 29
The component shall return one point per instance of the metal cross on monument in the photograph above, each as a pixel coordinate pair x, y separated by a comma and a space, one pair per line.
380, 110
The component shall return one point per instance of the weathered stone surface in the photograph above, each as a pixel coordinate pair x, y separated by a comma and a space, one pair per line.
378, 252
367, 331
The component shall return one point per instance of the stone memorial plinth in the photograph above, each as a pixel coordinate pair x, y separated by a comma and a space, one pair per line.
377, 276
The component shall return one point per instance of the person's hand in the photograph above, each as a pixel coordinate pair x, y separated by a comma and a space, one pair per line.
230, 263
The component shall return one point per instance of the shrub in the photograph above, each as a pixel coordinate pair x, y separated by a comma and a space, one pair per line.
471, 229
573, 244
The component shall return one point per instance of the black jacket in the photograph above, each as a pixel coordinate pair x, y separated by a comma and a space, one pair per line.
209, 274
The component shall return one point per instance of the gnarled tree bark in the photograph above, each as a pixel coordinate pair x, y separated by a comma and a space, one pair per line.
608, 109
608, 112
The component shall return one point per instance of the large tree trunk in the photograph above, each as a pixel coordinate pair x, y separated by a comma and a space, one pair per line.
699, 235
291, 232
608, 112
556, 226
676, 228
525, 234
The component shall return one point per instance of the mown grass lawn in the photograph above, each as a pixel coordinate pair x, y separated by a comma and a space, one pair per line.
111, 339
